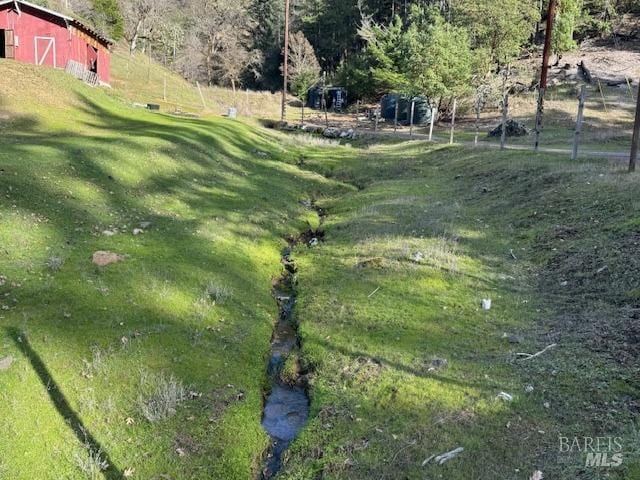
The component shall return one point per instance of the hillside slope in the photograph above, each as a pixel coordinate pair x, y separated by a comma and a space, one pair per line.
408, 365
95, 349
156, 364
142, 80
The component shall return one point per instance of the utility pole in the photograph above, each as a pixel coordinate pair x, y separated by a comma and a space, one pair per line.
548, 35
636, 138
285, 66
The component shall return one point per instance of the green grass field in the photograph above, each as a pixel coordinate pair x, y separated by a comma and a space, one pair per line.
407, 364
156, 364
139, 79
99, 342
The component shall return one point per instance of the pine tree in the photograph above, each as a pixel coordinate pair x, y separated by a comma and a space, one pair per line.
268, 38
567, 18
108, 17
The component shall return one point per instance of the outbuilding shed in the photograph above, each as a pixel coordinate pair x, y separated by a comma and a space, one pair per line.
33, 34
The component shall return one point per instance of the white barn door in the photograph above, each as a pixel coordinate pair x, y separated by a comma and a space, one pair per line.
45, 51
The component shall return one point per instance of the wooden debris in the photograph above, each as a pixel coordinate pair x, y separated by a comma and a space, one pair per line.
505, 396
445, 457
427, 460
529, 356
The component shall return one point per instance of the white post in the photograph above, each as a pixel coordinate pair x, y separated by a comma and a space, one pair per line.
576, 139
413, 108
395, 120
201, 95
434, 112
475, 140
453, 120
505, 114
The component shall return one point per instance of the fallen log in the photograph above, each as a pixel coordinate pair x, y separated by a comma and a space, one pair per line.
615, 83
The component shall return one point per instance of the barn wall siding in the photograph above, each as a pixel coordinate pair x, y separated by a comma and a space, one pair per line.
34, 31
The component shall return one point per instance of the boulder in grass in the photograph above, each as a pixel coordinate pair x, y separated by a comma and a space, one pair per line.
331, 132
334, 132
315, 129
514, 129
102, 259
349, 133
5, 363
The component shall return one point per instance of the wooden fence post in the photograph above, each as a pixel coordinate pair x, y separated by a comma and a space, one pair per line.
377, 119
201, 95
395, 119
630, 89
576, 139
604, 102
413, 108
453, 120
544, 73
475, 139
434, 112
539, 114
636, 138
505, 115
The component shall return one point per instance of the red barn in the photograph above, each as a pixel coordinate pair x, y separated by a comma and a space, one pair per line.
34, 34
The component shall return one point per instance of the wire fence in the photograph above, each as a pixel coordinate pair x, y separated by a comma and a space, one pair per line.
589, 120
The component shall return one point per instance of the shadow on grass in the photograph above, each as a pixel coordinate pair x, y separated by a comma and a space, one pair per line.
203, 186
59, 400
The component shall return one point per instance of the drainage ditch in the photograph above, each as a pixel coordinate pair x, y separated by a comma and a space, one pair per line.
286, 404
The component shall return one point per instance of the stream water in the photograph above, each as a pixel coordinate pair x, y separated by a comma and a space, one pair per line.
286, 408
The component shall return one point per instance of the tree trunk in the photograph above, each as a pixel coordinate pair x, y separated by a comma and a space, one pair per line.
134, 39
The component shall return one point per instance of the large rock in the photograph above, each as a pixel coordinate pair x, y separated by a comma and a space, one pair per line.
331, 132
102, 259
5, 363
514, 129
317, 129
335, 132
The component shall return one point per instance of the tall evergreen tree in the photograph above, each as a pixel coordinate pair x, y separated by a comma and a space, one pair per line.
268, 38
107, 16
568, 16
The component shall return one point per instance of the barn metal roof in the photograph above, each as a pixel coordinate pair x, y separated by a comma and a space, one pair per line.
66, 18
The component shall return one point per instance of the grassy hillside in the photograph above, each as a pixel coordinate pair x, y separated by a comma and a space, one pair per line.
156, 364
142, 80
407, 364
189, 307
